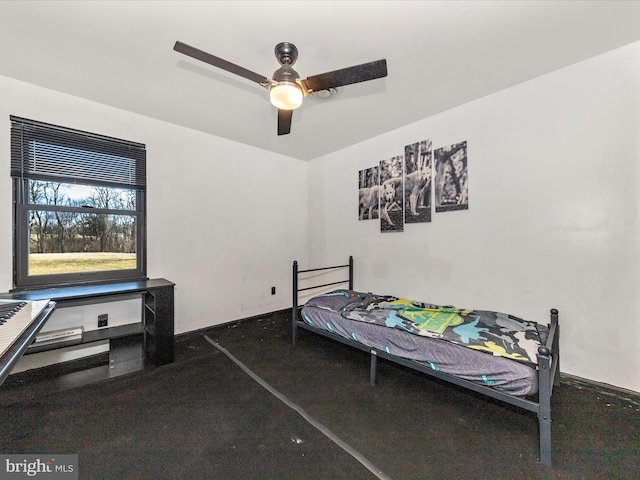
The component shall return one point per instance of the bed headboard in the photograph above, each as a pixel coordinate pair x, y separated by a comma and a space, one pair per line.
297, 289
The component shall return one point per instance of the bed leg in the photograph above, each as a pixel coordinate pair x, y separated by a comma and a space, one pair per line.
544, 402
294, 326
294, 333
372, 368
294, 307
545, 440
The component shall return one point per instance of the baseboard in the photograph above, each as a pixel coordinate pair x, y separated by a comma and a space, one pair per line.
604, 388
186, 336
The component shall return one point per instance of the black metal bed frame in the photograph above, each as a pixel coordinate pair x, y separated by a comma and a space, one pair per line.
548, 361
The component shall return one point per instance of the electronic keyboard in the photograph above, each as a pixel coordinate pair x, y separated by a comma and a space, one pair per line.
20, 322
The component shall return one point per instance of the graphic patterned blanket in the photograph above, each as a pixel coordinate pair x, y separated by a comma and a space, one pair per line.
492, 332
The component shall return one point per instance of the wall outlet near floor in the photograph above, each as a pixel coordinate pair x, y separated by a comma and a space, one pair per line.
103, 320
273, 290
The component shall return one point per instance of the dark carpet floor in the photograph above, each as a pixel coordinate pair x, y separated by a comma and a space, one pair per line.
202, 417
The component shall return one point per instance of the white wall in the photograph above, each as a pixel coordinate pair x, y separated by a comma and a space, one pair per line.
552, 219
220, 214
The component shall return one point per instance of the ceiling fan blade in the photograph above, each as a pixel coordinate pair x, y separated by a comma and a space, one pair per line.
284, 121
221, 63
347, 76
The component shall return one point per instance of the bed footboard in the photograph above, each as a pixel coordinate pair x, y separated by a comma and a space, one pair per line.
548, 377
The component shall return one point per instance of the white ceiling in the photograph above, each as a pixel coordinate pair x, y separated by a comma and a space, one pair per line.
440, 54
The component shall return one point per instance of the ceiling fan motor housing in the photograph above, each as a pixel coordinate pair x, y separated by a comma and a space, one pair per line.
285, 74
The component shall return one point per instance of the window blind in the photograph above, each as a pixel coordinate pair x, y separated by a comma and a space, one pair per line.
48, 152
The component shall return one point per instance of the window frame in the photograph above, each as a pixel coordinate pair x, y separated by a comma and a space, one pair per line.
23, 206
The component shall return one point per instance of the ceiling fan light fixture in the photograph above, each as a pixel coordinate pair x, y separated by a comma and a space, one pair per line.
286, 95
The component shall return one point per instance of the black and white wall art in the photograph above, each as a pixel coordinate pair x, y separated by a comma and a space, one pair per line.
391, 195
451, 187
402, 188
417, 182
368, 188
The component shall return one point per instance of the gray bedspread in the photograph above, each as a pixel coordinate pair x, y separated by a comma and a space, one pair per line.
499, 372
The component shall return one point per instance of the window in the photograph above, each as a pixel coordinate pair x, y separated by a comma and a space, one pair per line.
79, 206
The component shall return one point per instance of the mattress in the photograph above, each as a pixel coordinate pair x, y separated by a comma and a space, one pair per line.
330, 312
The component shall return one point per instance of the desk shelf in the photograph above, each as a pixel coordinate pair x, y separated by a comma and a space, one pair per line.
158, 325
90, 336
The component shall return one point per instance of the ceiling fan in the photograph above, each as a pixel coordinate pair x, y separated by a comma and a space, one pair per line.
286, 88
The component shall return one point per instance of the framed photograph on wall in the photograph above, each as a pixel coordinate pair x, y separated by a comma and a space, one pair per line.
418, 167
451, 187
368, 191
391, 195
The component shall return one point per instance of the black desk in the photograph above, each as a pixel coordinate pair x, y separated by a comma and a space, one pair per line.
156, 325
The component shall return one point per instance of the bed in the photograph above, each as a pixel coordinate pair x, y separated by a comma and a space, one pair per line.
498, 355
